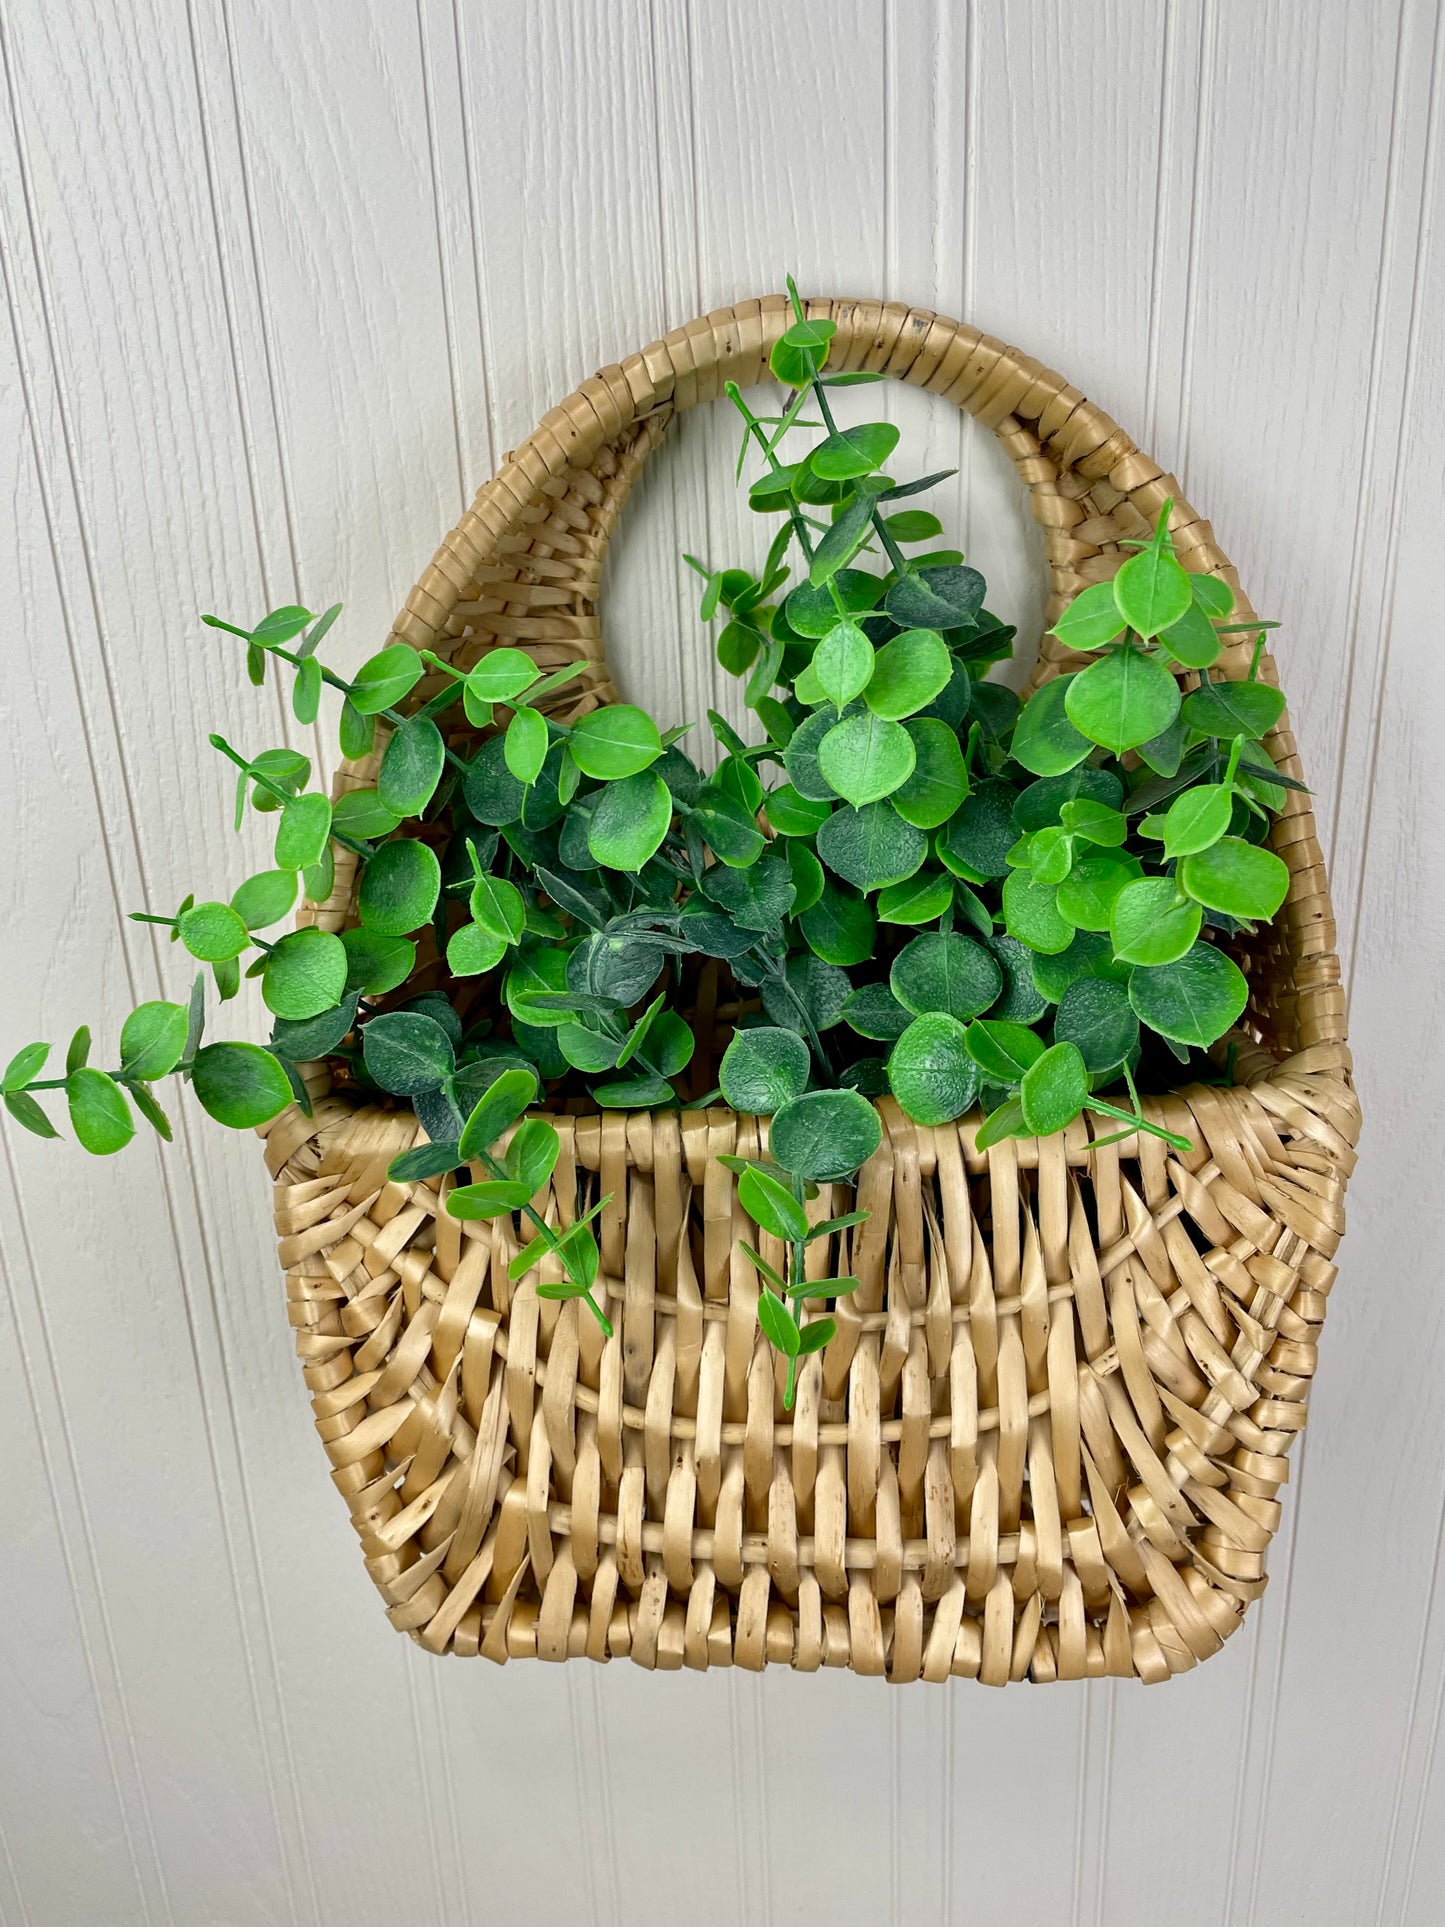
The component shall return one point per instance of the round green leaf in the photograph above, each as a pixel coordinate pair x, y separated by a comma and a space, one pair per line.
918, 899
500, 675
383, 680
854, 451
1031, 913
303, 832
1192, 639
930, 1071
376, 964
1214, 597
493, 794
1053, 1090
525, 744
1196, 819
629, 821
1150, 925
399, 888
99, 1114
407, 1052
873, 1011
840, 926
799, 354
792, 814
317, 1036
800, 758
872, 846
212, 932
1003, 1051
472, 949
979, 838
1087, 895
945, 972
615, 741
304, 975
1091, 619
266, 897
1020, 1002
824, 1135
153, 1040
939, 782
1089, 955
1050, 854
843, 662
1230, 709
1237, 878
866, 758
1152, 591
1044, 740
240, 1085
411, 767
913, 525
1044, 802
1123, 699
1194, 1000
763, 1069
362, 813
910, 671
1095, 1015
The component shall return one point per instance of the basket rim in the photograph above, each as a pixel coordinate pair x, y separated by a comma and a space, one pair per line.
622, 412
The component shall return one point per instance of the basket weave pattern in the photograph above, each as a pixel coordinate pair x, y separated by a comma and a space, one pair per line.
1049, 1436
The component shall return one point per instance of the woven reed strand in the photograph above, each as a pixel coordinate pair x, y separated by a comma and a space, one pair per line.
1048, 1438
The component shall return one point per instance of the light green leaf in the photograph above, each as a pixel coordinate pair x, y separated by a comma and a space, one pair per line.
265, 898
866, 758
153, 1040
939, 781
303, 831
1123, 699
411, 767
1237, 878
526, 743
1197, 818
212, 932
99, 1114
240, 1085
772, 1207
615, 741
843, 663
1194, 1000
1151, 924
384, 679
1151, 591
1091, 619
909, 672
629, 821
399, 888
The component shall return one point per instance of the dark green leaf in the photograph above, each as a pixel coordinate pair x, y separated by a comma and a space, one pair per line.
939, 781
938, 598
872, 846
825, 1135
407, 1052
839, 927
873, 1011
411, 767
931, 1073
314, 1036
979, 838
945, 972
1096, 1016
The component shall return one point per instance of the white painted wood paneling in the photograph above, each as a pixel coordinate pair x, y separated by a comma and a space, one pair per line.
282, 284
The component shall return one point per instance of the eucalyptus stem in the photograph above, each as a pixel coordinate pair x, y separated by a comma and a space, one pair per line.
553, 1244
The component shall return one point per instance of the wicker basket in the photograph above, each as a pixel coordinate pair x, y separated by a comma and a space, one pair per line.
1048, 1438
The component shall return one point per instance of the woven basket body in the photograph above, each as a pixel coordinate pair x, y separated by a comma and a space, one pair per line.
1049, 1437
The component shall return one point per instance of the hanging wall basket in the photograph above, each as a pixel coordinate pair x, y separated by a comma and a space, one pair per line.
1049, 1437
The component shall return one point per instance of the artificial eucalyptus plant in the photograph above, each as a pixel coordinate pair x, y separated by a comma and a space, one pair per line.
912, 884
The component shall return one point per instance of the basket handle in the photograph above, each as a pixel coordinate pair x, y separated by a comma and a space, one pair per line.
523, 565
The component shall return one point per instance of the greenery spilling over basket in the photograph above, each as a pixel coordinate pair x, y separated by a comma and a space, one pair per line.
911, 884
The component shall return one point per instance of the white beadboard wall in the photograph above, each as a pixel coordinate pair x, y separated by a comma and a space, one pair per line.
282, 284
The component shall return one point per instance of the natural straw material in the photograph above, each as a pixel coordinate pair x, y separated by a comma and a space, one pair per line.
1049, 1436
